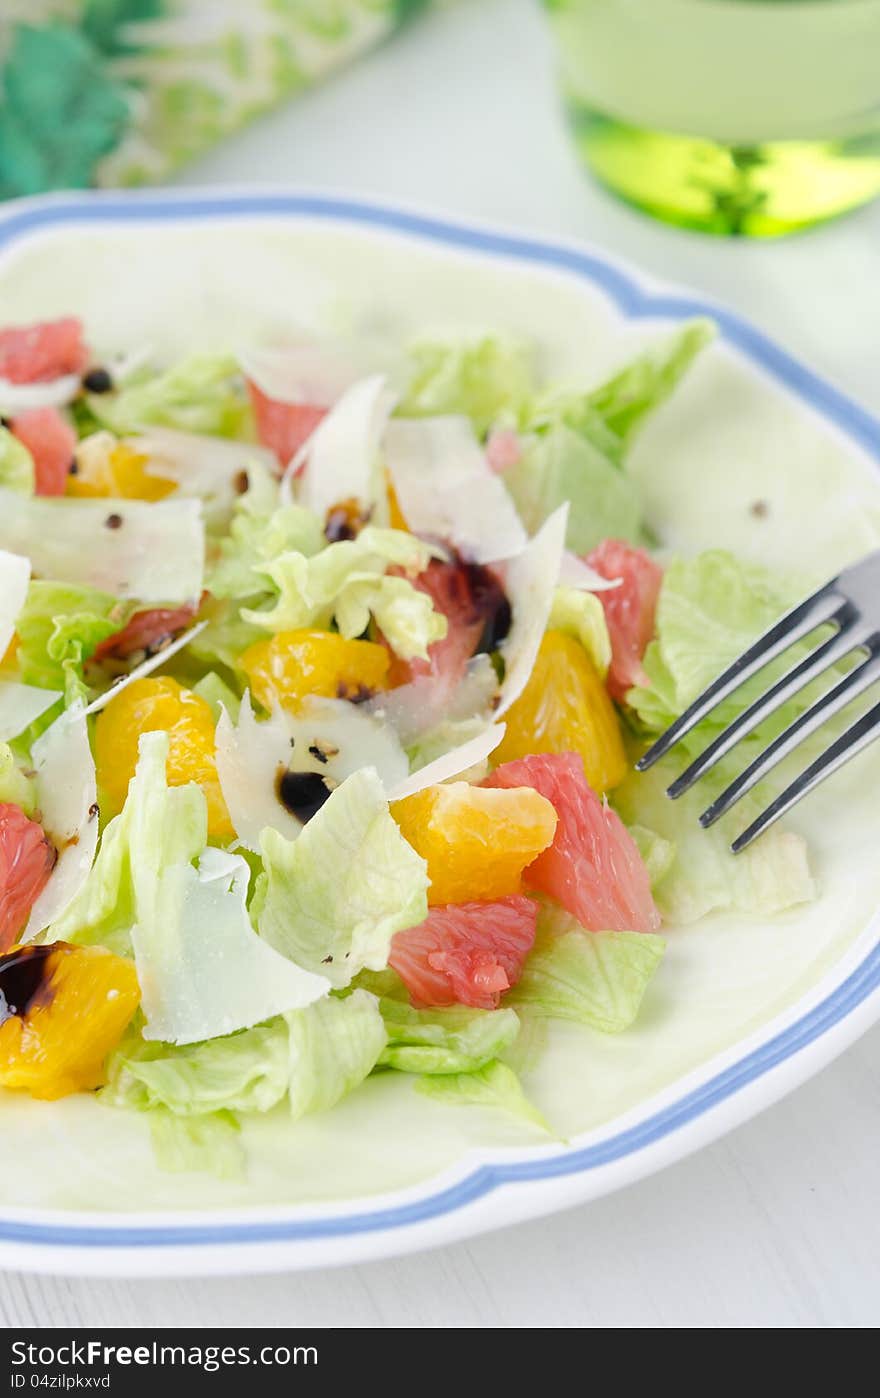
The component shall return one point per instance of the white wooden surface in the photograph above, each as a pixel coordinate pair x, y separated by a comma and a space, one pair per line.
775, 1226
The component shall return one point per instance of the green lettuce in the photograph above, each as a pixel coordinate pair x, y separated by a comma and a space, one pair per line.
577, 442
488, 380
346, 581
158, 826
260, 530
595, 978
312, 1057
218, 695
209, 1144
612, 413
15, 788
59, 627
702, 876
710, 608
581, 614
332, 899
559, 464
16, 464
244, 1072
334, 1044
658, 853
449, 1039
496, 1085
203, 393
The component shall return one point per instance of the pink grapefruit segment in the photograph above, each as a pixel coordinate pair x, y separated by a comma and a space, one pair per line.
629, 609
27, 858
51, 441
472, 599
465, 953
41, 352
283, 427
593, 867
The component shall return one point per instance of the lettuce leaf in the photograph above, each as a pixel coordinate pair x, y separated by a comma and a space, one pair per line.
59, 627
450, 1039
334, 1045
203, 393
158, 826
347, 581
494, 1085
611, 414
559, 464
218, 695
577, 442
313, 1056
595, 978
657, 852
488, 380
332, 899
702, 876
15, 788
16, 464
581, 614
260, 530
244, 1072
710, 608
208, 1144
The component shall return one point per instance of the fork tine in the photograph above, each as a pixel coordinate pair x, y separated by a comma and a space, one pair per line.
828, 704
822, 606
857, 737
847, 639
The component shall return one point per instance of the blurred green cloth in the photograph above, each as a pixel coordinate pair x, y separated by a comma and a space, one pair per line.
123, 92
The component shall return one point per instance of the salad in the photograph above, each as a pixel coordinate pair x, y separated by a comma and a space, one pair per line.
320, 693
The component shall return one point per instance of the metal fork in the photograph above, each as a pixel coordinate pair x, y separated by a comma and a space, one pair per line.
850, 603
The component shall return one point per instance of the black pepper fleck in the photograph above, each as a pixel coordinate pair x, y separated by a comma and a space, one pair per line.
760, 509
98, 381
113, 521
73, 468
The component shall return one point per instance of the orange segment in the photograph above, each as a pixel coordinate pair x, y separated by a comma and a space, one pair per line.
294, 664
476, 846
107, 468
152, 705
396, 517
71, 1007
565, 707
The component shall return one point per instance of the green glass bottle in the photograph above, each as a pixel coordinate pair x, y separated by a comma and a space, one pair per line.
752, 117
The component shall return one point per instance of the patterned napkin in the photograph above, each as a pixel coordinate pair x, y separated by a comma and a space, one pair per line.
122, 92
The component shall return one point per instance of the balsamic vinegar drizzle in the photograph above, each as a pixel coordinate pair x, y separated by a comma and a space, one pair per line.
25, 980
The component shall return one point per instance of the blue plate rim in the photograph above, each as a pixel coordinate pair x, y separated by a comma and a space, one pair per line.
637, 302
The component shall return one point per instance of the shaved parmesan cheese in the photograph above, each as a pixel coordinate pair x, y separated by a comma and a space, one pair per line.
54, 393
414, 709
210, 469
341, 455
20, 706
447, 488
574, 572
451, 764
328, 736
68, 804
15, 575
530, 581
202, 969
152, 552
146, 667
311, 372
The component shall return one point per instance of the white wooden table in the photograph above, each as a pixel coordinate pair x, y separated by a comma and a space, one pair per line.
777, 1225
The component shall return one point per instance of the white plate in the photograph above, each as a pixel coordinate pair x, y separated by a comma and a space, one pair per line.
741, 1011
